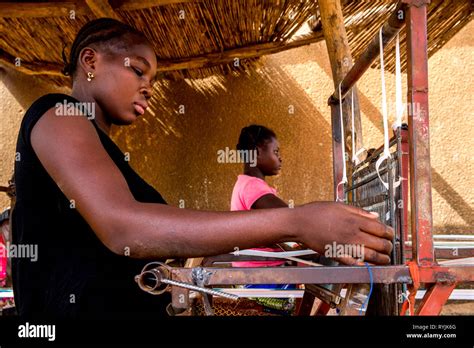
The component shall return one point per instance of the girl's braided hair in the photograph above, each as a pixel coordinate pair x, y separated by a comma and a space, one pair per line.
253, 136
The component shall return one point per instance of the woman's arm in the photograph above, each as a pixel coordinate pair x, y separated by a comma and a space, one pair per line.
70, 150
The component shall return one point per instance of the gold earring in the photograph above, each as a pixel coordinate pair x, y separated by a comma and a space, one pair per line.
90, 76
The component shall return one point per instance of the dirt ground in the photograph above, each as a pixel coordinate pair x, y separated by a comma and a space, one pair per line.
458, 308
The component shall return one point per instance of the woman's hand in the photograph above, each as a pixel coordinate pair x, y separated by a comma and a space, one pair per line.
322, 225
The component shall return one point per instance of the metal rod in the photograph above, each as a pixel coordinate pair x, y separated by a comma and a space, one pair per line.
389, 30
200, 289
418, 131
400, 232
404, 170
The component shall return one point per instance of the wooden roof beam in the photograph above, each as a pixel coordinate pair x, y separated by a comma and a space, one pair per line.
212, 59
253, 51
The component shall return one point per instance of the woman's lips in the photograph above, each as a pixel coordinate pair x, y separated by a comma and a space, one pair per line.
138, 108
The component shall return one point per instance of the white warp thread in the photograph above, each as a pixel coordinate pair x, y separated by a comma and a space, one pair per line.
343, 145
355, 155
386, 144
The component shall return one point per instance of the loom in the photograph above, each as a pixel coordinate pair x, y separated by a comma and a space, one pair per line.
368, 191
409, 160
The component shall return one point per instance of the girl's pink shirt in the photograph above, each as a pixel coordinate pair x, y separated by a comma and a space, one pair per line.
247, 190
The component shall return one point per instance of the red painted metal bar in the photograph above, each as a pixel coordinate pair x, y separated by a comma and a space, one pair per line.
418, 115
435, 298
449, 274
326, 275
404, 172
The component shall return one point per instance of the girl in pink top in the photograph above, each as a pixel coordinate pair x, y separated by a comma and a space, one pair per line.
260, 147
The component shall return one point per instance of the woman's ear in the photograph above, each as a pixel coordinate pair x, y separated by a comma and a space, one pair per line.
87, 60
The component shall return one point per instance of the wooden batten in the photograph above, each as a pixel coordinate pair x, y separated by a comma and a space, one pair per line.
102, 9
42, 9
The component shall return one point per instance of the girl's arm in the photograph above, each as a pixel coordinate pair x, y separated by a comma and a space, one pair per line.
70, 150
269, 201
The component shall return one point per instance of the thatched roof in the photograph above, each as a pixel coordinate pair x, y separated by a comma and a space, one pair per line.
197, 38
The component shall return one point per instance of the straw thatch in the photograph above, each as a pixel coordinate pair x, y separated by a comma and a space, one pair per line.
197, 38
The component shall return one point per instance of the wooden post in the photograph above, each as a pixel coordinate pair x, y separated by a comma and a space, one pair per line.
341, 62
340, 58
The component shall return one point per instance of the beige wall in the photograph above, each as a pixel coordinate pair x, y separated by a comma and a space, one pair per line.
177, 152
17, 93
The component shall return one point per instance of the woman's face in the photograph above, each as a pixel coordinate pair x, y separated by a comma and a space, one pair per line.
123, 82
269, 159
